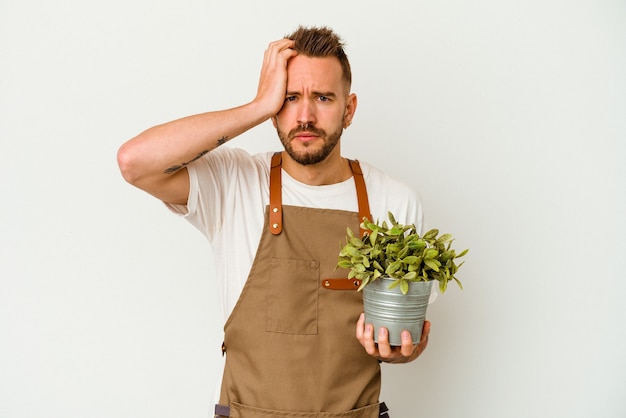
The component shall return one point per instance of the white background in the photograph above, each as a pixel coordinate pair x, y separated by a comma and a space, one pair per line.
508, 117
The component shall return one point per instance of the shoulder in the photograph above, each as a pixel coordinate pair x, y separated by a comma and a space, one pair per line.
389, 194
382, 182
228, 186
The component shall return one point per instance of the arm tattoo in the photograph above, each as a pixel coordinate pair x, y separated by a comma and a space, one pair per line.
175, 168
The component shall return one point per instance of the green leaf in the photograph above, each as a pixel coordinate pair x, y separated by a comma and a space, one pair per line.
432, 234
393, 250
344, 264
369, 225
373, 237
447, 255
394, 284
365, 261
395, 231
356, 242
404, 287
411, 259
445, 238
430, 254
432, 264
417, 244
393, 267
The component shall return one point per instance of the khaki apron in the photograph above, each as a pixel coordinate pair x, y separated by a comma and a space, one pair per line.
290, 342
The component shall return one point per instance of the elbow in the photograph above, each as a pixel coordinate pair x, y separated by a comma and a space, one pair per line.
128, 163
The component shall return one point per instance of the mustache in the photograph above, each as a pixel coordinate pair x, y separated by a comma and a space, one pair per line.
308, 128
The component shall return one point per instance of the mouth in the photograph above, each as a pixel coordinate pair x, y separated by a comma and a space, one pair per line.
305, 136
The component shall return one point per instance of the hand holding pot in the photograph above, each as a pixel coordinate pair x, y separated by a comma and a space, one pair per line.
383, 351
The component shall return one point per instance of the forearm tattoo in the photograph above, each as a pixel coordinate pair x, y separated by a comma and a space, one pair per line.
173, 169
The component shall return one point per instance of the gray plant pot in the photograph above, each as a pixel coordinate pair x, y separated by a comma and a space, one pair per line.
391, 309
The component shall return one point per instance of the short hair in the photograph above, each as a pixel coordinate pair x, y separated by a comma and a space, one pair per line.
321, 42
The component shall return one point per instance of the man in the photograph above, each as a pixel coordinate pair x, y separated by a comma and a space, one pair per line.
275, 222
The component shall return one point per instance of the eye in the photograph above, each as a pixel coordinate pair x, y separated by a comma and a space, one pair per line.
290, 98
324, 99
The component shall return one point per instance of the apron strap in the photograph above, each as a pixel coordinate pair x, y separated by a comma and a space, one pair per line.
276, 199
361, 192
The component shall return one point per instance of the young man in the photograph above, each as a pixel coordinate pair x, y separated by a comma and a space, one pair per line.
275, 221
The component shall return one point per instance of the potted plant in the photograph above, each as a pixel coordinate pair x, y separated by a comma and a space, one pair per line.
396, 268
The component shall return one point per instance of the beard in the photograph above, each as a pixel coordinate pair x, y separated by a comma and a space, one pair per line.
311, 154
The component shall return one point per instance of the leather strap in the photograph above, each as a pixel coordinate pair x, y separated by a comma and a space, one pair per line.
276, 200
276, 192
364, 212
341, 284
222, 411
383, 411
361, 192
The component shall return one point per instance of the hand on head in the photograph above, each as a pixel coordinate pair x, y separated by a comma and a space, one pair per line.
273, 79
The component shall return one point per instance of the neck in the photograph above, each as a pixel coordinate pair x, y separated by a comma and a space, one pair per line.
334, 169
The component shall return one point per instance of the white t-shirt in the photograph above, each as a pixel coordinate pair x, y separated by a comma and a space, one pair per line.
228, 194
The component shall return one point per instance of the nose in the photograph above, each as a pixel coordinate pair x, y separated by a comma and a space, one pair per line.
306, 113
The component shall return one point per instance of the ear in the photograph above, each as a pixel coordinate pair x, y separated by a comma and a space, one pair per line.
350, 110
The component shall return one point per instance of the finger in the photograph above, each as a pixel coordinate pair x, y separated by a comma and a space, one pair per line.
275, 59
276, 47
360, 327
368, 340
407, 348
281, 44
384, 348
423, 341
425, 331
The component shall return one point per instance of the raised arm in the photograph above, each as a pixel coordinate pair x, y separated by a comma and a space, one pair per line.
155, 160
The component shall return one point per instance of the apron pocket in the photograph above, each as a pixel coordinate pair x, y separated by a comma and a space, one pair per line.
293, 296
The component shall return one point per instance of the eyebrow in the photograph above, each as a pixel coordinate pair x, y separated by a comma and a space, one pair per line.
315, 93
